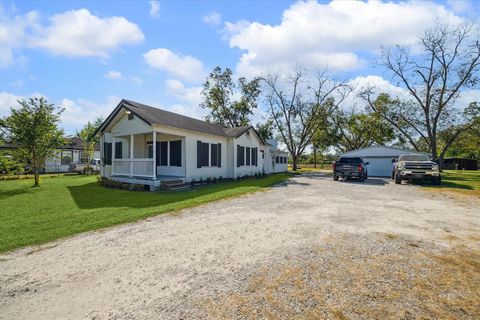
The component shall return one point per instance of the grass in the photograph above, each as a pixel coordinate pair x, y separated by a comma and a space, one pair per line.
67, 205
459, 181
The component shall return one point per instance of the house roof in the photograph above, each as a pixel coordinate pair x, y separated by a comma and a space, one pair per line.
379, 151
152, 115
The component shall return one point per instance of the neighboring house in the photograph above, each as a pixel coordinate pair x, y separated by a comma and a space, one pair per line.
145, 145
379, 158
70, 153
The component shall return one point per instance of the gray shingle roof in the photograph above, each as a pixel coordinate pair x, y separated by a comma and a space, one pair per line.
153, 115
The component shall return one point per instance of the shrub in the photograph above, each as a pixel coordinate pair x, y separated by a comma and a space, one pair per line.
192, 182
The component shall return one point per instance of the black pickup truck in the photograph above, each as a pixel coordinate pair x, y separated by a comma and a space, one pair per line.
347, 167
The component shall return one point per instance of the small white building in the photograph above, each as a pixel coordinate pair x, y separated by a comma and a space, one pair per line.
379, 158
146, 145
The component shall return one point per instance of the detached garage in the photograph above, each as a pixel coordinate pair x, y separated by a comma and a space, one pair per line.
379, 158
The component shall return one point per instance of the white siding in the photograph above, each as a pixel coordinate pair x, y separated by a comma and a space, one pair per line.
247, 140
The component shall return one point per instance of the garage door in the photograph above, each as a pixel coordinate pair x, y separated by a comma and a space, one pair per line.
379, 167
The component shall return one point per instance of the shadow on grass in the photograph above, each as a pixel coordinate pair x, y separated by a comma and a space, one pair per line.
14, 192
92, 195
445, 184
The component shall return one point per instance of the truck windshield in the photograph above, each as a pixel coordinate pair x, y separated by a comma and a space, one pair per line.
413, 157
350, 160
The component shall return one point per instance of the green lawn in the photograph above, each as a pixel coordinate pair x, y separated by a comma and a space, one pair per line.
466, 182
67, 205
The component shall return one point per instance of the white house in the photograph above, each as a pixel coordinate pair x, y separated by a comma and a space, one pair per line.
379, 158
145, 145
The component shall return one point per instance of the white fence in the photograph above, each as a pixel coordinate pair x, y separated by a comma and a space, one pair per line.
133, 167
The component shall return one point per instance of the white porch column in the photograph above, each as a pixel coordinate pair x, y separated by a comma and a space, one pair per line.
113, 155
154, 141
131, 153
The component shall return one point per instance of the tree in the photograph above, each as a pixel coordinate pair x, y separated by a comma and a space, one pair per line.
296, 106
352, 130
467, 144
448, 63
219, 90
89, 140
265, 130
33, 130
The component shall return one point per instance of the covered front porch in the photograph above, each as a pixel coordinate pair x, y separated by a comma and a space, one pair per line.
148, 158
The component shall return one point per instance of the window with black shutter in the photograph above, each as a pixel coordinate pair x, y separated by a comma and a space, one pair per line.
107, 153
118, 150
255, 157
176, 153
214, 155
277, 159
199, 154
205, 155
219, 155
163, 153
240, 155
248, 156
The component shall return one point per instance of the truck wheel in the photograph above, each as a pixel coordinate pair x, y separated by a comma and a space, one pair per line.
398, 179
335, 178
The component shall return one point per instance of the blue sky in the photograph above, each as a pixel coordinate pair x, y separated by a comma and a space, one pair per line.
87, 55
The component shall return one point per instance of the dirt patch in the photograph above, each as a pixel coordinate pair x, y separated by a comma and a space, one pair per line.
347, 279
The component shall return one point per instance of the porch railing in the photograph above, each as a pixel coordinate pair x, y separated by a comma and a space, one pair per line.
133, 167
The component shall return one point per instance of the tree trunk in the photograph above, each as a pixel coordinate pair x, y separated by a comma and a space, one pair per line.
294, 164
314, 157
37, 178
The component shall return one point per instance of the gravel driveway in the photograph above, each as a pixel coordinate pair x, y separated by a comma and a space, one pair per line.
310, 247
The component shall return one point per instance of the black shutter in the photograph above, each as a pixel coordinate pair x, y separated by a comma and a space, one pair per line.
104, 155
157, 155
205, 155
107, 153
247, 156
118, 150
240, 155
255, 157
219, 155
176, 153
199, 154
214, 155
163, 153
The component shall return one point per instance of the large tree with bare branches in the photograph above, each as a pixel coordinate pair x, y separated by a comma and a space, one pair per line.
297, 106
435, 73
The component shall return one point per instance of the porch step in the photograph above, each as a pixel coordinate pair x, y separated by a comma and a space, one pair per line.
174, 185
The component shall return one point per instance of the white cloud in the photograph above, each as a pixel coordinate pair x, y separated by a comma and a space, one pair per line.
332, 35
112, 74
78, 33
137, 80
154, 9
186, 68
9, 100
191, 95
75, 33
213, 18
78, 112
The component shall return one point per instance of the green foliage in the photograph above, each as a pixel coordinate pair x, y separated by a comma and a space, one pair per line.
265, 130
9, 165
218, 92
352, 131
33, 130
89, 140
69, 205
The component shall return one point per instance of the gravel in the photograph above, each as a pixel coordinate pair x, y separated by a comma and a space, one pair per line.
228, 258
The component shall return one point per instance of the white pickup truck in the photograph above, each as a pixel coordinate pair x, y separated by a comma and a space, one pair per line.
416, 167
84, 168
